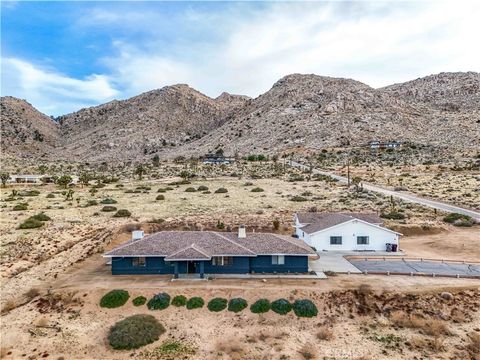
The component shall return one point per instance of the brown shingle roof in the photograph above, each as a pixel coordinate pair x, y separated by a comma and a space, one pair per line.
319, 221
204, 244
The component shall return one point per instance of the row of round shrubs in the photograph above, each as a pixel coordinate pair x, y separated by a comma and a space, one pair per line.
301, 308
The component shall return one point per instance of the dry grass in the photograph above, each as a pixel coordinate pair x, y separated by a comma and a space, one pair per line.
325, 333
474, 346
9, 306
436, 344
233, 348
32, 293
308, 352
432, 327
365, 289
41, 322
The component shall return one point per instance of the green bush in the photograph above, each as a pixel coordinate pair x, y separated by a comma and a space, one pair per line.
30, 224
221, 191
237, 304
458, 219
217, 304
135, 331
109, 208
298, 198
304, 308
202, 188
195, 303
260, 306
50, 196
190, 189
179, 300
139, 301
393, 215
108, 201
162, 190
92, 202
257, 189
114, 299
161, 197
281, 306
159, 301
122, 213
20, 207
41, 217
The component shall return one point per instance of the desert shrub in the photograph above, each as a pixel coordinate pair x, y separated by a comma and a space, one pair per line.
304, 308
92, 202
122, 213
109, 208
131, 191
50, 196
298, 198
29, 193
179, 300
202, 188
220, 225
108, 201
162, 190
195, 303
221, 191
281, 306
260, 306
159, 301
161, 197
171, 349
237, 304
114, 299
325, 333
217, 304
139, 301
135, 331
458, 219
41, 217
30, 224
190, 189
143, 187
393, 215
257, 189
20, 207
32, 293
276, 224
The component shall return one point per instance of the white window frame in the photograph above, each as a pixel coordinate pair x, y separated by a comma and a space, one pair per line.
220, 261
340, 243
278, 259
363, 236
141, 261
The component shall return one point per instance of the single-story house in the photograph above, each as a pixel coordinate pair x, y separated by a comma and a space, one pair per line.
345, 232
208, 252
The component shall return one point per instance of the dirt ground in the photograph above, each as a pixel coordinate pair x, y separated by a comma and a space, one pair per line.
63, 258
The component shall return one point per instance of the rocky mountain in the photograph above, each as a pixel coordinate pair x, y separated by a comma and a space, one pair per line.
445, 91
26, 131
299, 111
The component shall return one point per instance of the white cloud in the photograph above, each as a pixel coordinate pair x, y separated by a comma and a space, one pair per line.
51, 92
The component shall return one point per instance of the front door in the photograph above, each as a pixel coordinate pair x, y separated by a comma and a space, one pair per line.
192, 267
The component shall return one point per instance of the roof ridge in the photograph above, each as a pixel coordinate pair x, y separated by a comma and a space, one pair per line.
233, 242
291, 242
200, 249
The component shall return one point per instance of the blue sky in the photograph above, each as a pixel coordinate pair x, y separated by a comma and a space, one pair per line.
62, 56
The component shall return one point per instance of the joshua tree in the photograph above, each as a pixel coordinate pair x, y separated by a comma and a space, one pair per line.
140, 171
64, 180
356, 180
84, 178
4, 177
156, 161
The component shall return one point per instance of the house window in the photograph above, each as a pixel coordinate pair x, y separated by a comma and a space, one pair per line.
139, 261
222, 260
362, 240
335, 240
278, 260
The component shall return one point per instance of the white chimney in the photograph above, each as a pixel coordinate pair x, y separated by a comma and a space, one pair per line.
242, 233
137, 235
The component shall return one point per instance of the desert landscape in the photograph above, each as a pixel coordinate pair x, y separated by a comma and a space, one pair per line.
239, 180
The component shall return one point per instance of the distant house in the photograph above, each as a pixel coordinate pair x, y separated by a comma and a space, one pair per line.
384, 145
346, 232
30, 179
207, 252
217, 159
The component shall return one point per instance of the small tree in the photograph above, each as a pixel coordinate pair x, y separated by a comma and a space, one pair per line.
64, 180
69, 195
356, 180
156, 161
140, 170
84, 178
4, 178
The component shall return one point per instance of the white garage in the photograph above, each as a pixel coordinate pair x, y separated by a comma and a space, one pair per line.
345, 232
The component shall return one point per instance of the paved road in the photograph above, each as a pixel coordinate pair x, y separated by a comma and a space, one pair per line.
401, 195
418, 267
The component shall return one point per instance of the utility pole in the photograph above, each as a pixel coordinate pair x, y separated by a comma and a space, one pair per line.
348, 170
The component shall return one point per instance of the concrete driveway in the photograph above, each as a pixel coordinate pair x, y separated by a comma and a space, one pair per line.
418, 267
332, 261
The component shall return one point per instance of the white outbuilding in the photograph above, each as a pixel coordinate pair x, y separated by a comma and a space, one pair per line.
345, 232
